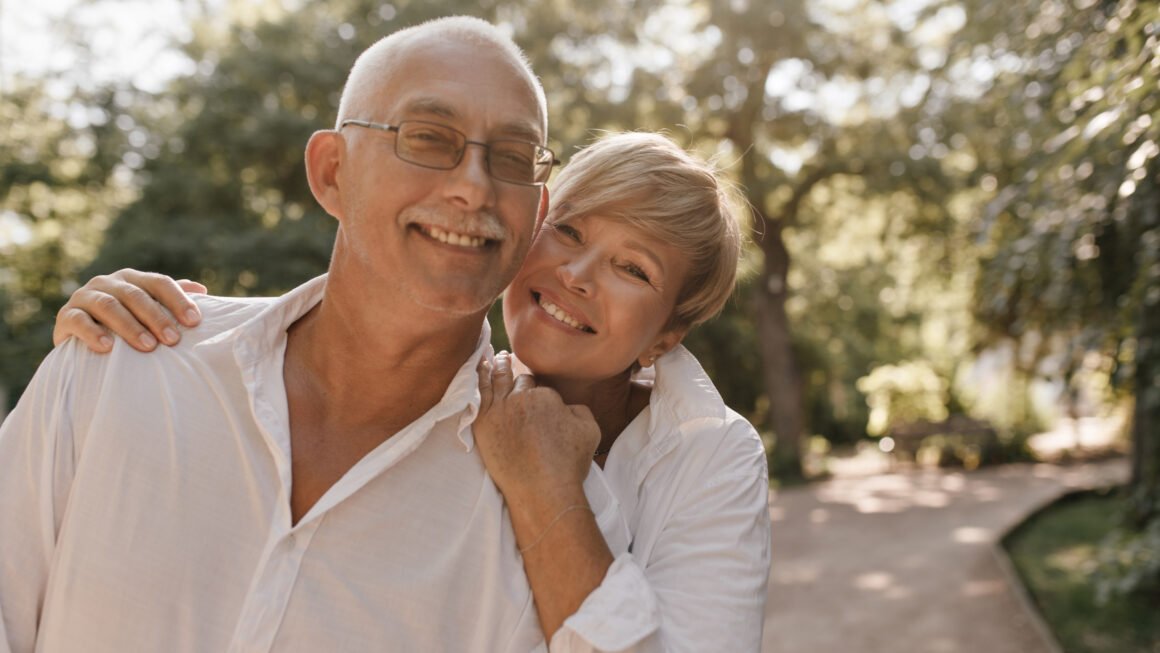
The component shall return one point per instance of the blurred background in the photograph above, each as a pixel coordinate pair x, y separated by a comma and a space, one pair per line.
954, 205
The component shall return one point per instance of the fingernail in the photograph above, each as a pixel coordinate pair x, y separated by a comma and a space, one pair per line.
148, 341
169, 335
191, 316
106, 342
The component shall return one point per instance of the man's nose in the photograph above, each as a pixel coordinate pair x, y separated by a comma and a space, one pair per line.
469, 185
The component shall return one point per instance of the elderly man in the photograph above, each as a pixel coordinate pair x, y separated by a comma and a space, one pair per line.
298, 473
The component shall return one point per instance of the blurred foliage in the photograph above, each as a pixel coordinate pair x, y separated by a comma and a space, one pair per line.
1129, 563
1072, 237
928, 182
62, 181
903, 393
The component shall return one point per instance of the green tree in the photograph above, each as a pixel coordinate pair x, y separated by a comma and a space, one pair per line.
62, 178
1074, 231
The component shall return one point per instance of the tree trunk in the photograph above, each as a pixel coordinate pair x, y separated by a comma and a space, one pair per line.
1145, 481
779, 369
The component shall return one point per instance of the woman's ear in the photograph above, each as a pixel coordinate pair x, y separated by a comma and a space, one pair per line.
665, 343
324, 154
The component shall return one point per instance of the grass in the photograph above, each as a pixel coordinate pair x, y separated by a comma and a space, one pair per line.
1055, 552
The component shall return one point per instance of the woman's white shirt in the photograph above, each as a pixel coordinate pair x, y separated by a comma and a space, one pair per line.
691, 479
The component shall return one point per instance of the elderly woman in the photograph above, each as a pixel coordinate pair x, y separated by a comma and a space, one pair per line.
639, 246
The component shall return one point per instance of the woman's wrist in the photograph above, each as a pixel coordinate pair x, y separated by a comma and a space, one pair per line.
533, 511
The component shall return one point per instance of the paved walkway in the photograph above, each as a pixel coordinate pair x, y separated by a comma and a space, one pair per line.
905, 562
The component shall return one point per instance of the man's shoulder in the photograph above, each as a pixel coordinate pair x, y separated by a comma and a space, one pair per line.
220, 314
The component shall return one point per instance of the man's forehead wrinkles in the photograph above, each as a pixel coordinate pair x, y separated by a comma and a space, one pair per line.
438, 108
431, 106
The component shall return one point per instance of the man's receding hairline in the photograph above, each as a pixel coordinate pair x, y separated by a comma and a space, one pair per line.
377, 58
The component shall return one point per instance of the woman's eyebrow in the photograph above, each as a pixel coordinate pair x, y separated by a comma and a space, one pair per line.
645, 251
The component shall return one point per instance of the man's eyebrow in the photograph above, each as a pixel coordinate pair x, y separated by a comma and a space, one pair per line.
434, 107
521, 131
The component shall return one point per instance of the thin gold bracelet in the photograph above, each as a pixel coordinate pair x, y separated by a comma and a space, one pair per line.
559, 515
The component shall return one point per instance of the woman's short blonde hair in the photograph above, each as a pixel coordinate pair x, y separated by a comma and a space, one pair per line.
647, 181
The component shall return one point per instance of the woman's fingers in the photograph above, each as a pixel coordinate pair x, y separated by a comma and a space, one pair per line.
131, 304
501, 376
145, 293
77, 317
192, 287
523, 383
485, 391
75, 322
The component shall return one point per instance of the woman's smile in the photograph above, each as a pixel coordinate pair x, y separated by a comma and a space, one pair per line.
561, 314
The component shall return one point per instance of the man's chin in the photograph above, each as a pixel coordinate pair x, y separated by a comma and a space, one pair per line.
457, 304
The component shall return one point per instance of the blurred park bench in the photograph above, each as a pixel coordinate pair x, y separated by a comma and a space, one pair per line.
957, 439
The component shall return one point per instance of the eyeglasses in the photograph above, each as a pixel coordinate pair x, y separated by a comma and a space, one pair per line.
436, 146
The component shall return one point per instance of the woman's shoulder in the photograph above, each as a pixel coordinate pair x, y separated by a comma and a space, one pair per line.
689, 409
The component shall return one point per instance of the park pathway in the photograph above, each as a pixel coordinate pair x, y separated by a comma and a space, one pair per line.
905, 562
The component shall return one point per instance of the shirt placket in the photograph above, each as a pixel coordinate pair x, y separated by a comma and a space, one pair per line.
273, 584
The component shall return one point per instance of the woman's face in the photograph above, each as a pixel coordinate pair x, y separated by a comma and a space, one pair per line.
593, 296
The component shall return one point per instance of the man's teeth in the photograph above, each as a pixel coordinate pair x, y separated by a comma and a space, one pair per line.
559, 314
452, 238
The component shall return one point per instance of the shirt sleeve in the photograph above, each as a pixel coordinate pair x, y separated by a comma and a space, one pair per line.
37, 461
704, 587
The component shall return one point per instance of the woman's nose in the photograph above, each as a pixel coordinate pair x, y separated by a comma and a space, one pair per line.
576, 274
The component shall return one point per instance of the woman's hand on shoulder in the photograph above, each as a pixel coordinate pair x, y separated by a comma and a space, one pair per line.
130, 304
531, 442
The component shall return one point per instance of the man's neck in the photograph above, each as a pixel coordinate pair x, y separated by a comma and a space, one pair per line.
364, 362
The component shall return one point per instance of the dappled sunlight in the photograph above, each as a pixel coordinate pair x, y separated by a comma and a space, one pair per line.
986, 493
972, 535
874, 581
889, 493
915, 549
953, 482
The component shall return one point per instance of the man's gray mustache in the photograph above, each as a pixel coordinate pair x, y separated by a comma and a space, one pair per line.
481, 224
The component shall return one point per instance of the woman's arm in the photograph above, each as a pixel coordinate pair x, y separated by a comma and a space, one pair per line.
538, 451
701, 585
699, 561
138, 306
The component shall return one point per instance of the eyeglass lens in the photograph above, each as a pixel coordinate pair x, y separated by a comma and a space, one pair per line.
436, 146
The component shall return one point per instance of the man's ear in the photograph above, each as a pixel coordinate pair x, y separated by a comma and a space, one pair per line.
324, 153
664, 343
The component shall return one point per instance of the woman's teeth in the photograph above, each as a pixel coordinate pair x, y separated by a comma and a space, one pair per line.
452, 238
559, 314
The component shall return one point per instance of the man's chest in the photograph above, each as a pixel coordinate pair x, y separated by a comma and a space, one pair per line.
418, 550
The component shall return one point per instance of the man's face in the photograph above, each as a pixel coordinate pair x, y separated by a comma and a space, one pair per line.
447, 240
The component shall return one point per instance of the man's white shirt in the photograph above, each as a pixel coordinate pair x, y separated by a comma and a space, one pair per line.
144, 506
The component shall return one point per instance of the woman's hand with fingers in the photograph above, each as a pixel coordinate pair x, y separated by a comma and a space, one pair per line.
533, 444
132, 305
